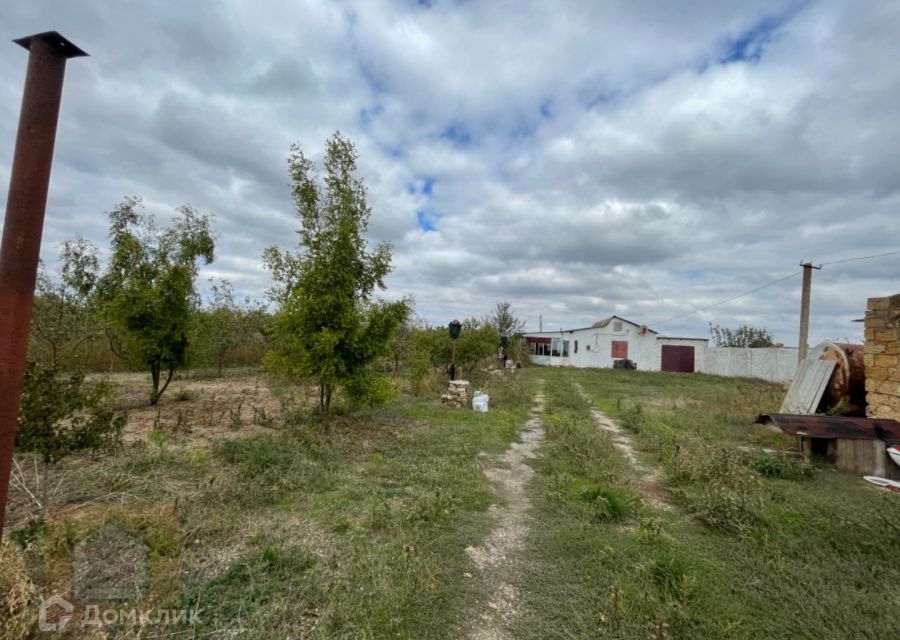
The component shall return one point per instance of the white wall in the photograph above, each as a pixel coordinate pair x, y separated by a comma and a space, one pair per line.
773, 364
642, 349
776, 364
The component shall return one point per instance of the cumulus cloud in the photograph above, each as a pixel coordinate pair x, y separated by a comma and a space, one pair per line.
576, 158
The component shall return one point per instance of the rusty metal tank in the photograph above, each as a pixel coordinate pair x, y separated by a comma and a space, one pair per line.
846, 389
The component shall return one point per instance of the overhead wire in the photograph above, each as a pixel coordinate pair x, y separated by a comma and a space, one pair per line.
721, 302
774, 282
874, 255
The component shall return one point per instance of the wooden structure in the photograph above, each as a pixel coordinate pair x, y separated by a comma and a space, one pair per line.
852, 455
855, 445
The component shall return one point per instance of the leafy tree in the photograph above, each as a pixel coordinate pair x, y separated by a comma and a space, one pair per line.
328, 326
505, 321
63, 313
228, 324
743, 336
477, 341
147, 293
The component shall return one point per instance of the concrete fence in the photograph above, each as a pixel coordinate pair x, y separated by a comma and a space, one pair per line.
777, 364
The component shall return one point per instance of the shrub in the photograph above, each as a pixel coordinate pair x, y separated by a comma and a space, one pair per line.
369, 390
61, 414
779, 466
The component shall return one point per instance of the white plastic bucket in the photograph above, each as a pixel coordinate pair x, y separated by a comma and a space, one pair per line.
480, 402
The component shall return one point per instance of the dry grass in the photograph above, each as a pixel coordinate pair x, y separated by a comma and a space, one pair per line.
351, 528
201, 409
18, 595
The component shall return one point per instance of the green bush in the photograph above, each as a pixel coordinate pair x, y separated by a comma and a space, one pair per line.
781, 466
369, 390
61, 414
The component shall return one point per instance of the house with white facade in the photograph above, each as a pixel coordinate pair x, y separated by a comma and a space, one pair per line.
615, 338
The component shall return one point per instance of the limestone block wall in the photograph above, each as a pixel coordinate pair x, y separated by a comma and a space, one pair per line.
882, 357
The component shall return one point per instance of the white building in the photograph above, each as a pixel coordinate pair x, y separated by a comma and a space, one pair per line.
612, 339
615, 338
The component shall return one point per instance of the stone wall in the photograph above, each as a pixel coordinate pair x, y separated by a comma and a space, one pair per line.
882, 357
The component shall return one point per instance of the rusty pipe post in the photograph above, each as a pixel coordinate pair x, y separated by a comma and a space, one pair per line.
24, 224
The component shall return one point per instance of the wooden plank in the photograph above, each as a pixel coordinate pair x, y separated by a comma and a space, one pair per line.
809, 384
866, 458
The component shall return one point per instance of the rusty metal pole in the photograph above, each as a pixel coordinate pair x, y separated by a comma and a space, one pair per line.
24, 224
804, 310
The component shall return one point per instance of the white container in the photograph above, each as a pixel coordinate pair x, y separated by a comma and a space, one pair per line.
480, 402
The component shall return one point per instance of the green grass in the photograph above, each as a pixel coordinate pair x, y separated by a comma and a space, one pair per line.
758, 545
357, 528
351, 529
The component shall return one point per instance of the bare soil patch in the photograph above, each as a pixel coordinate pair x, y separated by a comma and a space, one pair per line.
200, 409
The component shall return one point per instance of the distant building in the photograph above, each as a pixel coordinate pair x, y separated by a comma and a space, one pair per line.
615, 338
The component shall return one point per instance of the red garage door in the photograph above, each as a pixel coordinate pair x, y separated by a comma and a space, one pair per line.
678, 359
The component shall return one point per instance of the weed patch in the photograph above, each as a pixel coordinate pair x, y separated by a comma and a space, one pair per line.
761, 544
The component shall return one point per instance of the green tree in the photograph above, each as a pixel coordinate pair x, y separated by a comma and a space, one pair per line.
477, 341
227, 324
63, 315
505, 321
147, 294
743, 336
329, 327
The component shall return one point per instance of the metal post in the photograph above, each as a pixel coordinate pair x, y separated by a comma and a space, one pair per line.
804, 309
24, 224
453, 360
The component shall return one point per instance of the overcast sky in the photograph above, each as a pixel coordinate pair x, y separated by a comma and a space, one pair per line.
579, 159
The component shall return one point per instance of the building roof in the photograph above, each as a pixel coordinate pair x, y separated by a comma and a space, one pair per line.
833, 427
605, 322
600, 324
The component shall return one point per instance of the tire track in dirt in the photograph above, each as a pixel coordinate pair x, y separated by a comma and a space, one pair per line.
650, 486
496, 558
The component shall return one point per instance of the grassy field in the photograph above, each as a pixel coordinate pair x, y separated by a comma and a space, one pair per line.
352, 529
732, 541
283, 526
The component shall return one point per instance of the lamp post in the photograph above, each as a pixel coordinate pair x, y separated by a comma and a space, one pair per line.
455, 327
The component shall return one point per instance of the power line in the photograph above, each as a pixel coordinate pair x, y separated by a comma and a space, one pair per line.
876, 255
721, 302
774, 282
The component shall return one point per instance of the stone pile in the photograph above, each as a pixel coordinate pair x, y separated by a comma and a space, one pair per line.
457, 396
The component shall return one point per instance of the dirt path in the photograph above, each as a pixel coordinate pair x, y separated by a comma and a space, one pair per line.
495, 559
650, 487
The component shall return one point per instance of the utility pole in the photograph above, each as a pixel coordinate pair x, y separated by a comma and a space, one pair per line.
541, 323
24, 224
804, 309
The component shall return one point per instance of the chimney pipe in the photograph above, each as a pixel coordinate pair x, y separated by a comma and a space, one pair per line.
24, 223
